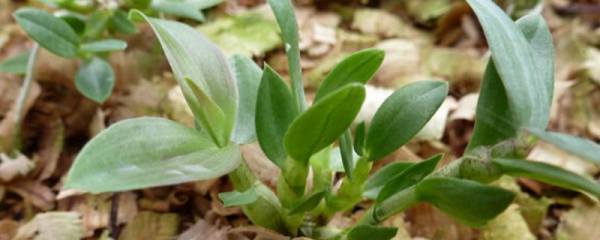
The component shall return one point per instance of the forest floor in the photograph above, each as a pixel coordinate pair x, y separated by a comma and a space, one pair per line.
438, 39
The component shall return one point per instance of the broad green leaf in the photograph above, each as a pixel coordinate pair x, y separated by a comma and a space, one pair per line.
75, 21
360, 138
370, 232
376, 182
16, 64
548, 174
494, 121
358, 67
184, 8
192, 55
408, 177
236, 198
106, 45
309, 203
472, 203
95, 79
346, 152
323, 122
581, 147
50, 32
247, 75
286, 19
121, 23
515, 61
148, 152
275, 111
402, 116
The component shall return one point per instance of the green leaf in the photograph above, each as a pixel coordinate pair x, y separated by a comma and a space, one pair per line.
376, 182
346, 152
236, 198
362, 232
122, 24
50, 32
515, 61
360, 138
106, 45
408, 177
96, 24
275, 111
247, 75
95, 80
286, 19
472, 203
494, 121
75, 21
308, 203
16, 64
402, 116
323, 122
581, 147
211, 115
148, 152
204, 64
548, 174
184, 8
358, 67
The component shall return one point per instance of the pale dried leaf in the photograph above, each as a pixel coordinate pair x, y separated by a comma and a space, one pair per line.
13, 167
95, 210
8, 229
509, 225
465, 108
34, 192
204, 230
547, 153
7, 125
151, 226
52, 226
581, 222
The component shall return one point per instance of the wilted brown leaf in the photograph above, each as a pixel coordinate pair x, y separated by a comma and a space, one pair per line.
52, 226
151, 226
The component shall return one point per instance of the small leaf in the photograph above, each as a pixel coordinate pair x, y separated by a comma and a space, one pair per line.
523, 77
309, 203
402, 115
235, 198
548, 174
383, 176
247, 75
360, 138
358, 67
346, 152
583, 148
286, 19
95, 80
408, 177
275, 111
16, 64
362, 232
50, 32
472, 203
75, 21
204, 64
148, 152
121, 23
211, 115
106, 45
96, 24
323, 122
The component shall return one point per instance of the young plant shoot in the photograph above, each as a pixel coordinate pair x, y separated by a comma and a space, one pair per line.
235, 102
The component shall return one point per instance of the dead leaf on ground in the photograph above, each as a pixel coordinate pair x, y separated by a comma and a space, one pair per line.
581, 222
34, 192
151, 226
13, 167
8, 229
52, 226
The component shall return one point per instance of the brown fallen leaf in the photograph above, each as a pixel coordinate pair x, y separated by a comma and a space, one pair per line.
51, 145
35, 192
7, 125
8, 229
204, 230
581, 222
52, 226
151, 226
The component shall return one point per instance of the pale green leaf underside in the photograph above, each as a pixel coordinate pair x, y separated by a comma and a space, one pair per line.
248, 76
581, 147
148, 152
192, 55
95, 80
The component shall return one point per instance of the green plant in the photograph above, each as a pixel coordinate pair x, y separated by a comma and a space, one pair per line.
235, 103
86, 30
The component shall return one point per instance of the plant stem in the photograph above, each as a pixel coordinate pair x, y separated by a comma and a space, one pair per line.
350, 193
23, 95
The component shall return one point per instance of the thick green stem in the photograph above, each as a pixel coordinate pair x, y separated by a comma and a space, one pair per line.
350, 193
23, 95
292, 183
